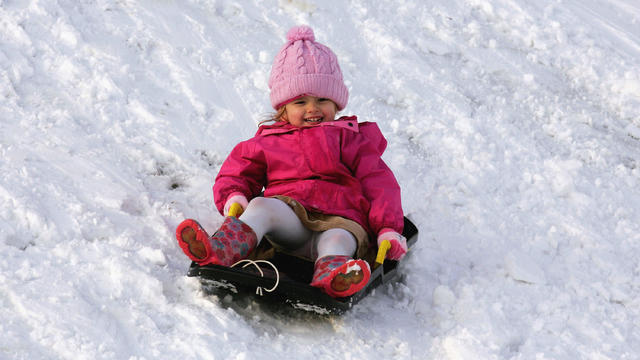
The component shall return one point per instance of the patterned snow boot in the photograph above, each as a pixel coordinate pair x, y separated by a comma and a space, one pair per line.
233, 241
340, 276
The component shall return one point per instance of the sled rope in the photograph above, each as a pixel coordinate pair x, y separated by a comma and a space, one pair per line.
255, 263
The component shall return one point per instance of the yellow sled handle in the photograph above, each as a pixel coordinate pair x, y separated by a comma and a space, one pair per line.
385, 245
235, 210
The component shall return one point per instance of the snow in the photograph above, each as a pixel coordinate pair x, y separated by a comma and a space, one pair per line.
513, 128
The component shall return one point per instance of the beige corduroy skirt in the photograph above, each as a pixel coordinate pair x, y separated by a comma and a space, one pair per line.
321, 222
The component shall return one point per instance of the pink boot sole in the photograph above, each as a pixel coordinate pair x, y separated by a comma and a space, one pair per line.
194, 241
341, 276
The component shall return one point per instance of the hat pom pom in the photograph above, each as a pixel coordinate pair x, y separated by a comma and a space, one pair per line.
302, 32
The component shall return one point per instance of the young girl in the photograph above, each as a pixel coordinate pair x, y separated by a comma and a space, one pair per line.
326, 190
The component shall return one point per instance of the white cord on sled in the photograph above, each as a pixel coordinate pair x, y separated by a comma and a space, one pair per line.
255, 263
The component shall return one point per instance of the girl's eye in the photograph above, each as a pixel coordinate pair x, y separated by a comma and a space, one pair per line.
323, 99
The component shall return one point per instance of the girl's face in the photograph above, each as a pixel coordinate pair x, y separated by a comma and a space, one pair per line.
309, 110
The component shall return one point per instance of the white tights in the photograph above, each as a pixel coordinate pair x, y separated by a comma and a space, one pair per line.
277, 219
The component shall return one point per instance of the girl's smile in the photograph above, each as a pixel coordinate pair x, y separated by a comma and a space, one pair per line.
309, 110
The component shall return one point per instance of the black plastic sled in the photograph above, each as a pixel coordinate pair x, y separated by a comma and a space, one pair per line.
274, 276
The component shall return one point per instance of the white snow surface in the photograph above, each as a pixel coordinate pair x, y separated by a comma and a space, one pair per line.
513, 128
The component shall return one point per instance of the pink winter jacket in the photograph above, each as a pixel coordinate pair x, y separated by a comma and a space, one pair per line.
333, 168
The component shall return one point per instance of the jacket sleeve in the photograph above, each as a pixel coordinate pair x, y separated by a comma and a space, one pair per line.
243, 171
362, 153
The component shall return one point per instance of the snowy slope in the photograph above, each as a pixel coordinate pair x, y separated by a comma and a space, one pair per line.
513, 128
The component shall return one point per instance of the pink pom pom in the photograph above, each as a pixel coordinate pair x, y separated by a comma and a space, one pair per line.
302, 32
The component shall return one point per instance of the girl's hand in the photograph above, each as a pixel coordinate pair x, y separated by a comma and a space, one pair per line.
235, 198
398, 244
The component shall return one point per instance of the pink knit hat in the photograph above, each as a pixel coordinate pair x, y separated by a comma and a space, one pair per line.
305, 67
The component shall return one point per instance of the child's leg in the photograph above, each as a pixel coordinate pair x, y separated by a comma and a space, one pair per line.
335, 271
336, 242
237, 237
274, 217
